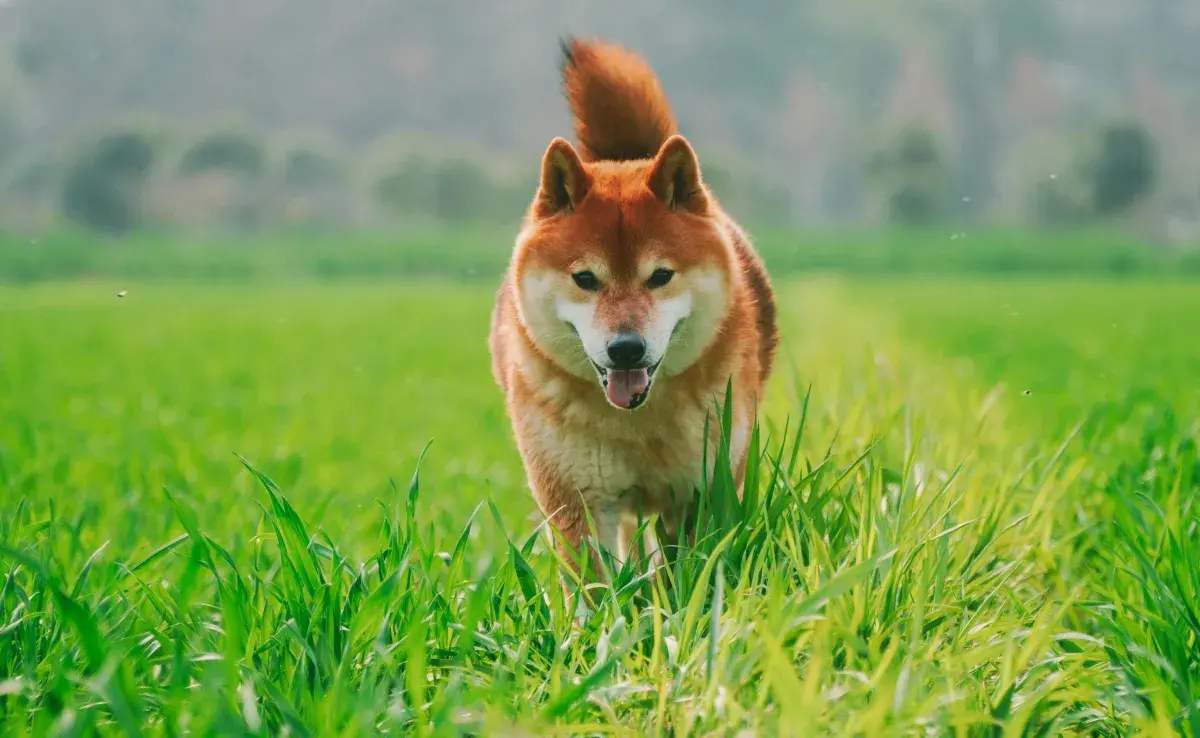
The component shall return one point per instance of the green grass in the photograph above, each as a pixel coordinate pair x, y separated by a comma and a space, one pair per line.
480, 252
981, 520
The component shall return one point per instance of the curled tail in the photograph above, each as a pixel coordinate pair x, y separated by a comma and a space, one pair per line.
620, 110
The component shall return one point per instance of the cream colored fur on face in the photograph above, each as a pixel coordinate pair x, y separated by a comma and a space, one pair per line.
679, 328
706, 303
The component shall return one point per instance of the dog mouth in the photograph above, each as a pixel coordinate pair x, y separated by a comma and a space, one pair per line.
627, 389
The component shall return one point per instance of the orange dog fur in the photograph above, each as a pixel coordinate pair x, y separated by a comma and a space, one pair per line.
631, 301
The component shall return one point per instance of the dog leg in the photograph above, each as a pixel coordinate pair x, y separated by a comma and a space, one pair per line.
609, 534
566, 515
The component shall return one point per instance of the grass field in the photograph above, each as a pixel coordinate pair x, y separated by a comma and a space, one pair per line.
480, 252
975, 513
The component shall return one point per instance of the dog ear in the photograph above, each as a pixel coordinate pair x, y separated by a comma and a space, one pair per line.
675, 177
564, 182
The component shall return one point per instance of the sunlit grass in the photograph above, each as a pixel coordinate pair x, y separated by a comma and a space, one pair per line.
917, 552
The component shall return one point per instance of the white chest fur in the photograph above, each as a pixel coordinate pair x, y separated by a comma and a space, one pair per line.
652, 460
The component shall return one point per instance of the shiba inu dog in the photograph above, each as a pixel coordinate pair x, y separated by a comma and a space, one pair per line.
631, 303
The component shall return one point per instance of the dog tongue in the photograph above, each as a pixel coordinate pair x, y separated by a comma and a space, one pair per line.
623, 387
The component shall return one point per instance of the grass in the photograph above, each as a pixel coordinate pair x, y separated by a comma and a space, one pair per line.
480, 252
961, 521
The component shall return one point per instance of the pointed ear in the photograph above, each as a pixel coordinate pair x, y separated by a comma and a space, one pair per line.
564, 180
675, 177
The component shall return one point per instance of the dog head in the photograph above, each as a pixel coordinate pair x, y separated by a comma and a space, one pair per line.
622, 270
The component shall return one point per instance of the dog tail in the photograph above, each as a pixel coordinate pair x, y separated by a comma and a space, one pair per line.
621, 112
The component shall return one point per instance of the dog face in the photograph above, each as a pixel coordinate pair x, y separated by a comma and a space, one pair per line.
622, 274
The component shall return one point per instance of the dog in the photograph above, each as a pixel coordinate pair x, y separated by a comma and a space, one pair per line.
631, 303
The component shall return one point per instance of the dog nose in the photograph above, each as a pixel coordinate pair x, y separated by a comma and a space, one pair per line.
626, 350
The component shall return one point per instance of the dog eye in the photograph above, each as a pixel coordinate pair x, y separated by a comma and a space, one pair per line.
586, 281
660, 277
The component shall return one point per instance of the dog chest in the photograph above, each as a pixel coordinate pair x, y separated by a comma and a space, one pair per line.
605, 461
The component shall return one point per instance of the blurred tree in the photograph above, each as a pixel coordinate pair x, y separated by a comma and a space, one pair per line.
1123, 168
229, 151
982, 50
355, 68
461, 191
310, 167
1062, 201
450, 189
911, 173
403, 186
1114, 169
978, 43
102, 184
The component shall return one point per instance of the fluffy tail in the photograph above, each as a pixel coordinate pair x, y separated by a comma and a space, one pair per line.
620, 110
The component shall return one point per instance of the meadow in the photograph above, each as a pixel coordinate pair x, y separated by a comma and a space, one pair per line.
284, 505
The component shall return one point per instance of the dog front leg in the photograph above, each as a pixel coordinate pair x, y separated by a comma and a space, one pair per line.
567, 516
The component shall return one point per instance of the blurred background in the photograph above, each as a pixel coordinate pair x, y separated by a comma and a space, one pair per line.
350, 138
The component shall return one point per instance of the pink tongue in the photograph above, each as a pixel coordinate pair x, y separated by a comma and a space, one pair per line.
623, 387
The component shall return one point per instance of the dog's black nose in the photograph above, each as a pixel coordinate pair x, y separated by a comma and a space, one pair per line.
626, 350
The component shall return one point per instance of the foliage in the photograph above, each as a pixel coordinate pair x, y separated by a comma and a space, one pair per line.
1122, 169
379, 68
311, 163
103, 179
460, 191
910, 171
1112, 169
230, 151
448, 189
1062, 201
